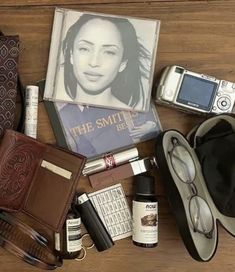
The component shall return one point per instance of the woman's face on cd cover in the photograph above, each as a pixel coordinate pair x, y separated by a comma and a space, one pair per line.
97, 55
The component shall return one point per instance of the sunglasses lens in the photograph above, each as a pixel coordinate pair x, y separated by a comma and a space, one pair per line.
201, 215
183, 164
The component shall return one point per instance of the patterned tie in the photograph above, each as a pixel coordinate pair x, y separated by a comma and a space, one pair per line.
9, 51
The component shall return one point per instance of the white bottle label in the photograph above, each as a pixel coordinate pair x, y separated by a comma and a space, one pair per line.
73, 231
57, 241
145, 222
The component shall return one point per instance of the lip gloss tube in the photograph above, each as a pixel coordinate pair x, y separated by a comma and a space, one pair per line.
109, 161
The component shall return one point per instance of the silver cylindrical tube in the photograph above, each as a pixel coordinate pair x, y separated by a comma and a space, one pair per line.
109, 161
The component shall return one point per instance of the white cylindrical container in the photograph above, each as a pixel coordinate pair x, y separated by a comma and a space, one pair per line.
31, 111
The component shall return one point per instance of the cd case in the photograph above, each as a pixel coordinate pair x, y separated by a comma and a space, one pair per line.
113, 70
93, 132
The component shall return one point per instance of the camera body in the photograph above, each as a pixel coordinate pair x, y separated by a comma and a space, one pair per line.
195, 92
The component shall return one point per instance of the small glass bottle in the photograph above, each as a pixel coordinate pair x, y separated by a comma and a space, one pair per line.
145, 212
68, 242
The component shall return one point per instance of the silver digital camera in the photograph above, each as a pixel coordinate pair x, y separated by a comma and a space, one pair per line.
190, 91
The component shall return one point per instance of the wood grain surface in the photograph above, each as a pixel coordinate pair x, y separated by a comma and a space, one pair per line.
199, 35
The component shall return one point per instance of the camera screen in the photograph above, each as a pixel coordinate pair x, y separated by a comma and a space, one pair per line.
197, 92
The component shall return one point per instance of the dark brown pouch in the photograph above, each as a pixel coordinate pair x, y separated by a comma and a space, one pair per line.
37, 179
9, 52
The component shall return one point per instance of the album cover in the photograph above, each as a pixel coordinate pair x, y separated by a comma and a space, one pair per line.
93, 131
102, 60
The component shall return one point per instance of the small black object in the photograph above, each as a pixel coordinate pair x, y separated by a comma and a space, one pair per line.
93, 223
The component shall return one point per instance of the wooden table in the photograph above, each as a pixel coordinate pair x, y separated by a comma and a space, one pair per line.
199, 35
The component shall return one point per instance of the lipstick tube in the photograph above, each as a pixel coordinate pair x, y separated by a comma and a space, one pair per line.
109, 161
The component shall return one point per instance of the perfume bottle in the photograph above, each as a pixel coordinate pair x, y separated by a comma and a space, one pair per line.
68, 243
145, 212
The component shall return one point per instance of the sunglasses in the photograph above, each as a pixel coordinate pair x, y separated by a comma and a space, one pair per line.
27, 244
185, 169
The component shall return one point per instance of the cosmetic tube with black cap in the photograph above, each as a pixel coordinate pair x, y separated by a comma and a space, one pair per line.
93, 223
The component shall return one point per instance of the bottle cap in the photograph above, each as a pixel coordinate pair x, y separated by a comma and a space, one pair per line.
144, 185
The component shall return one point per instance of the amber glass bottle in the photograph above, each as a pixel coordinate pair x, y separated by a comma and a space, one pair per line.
68, 242
145, 212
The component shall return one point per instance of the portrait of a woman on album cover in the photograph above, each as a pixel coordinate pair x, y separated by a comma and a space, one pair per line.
106, 61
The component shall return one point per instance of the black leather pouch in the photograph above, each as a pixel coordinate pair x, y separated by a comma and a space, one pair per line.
200, 182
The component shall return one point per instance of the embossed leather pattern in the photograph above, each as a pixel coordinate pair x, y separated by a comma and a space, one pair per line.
27, 186
9, 52
19, 161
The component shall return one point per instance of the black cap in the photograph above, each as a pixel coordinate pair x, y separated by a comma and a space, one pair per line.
144, 185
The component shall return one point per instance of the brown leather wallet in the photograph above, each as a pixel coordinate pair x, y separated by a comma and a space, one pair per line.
37, 179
